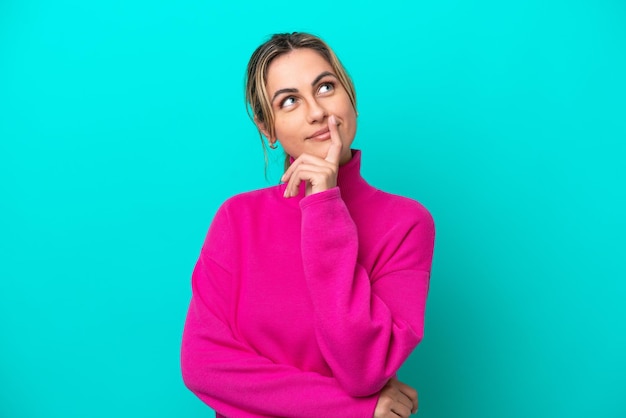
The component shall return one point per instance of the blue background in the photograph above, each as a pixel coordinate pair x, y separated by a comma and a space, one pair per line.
122, 129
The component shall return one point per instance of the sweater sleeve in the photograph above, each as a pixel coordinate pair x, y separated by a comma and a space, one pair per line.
227, 374
366, 326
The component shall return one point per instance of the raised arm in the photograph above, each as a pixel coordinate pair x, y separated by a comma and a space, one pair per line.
366, 326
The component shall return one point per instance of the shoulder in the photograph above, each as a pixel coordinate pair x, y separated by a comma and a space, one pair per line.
403, 208
247, 206
250, 199
241, 212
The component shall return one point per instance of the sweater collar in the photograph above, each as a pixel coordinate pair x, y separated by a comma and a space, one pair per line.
349, 179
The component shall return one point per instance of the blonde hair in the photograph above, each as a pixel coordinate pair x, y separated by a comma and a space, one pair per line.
257, 98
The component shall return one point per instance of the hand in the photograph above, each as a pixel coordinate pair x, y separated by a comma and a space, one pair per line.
396, 400
320, 174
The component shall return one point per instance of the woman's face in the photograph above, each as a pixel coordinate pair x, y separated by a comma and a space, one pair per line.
304, 91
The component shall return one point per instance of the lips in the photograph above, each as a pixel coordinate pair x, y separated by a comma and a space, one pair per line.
321, 135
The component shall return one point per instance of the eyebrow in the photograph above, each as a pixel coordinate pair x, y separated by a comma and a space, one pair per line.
322, 75
313, 83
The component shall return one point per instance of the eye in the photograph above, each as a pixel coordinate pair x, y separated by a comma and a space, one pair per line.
326, 87
288, 101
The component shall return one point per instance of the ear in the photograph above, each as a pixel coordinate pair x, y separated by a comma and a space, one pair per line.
261, 126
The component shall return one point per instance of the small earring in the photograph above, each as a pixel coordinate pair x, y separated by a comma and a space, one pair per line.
273, 145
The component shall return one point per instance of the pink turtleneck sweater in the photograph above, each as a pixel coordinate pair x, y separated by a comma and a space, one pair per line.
307, 306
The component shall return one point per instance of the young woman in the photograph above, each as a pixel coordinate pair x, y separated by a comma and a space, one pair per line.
308, 296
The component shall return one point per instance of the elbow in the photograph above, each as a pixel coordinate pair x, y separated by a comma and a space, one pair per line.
189, 382
198, 380
362, 391
359, 386
359, 381
190, 378
193, 374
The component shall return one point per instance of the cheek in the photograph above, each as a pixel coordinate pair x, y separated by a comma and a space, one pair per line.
347, 130
347, 111
350, 120
287, 126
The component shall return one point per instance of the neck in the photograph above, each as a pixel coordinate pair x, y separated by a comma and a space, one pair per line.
349, 180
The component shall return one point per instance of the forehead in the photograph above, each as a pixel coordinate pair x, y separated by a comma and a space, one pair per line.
295, 69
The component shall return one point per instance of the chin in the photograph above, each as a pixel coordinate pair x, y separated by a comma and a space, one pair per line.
319, 149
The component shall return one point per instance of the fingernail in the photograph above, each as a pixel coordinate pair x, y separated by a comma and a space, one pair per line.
332, 119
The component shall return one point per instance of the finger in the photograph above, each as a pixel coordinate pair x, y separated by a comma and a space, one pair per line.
304, 158
292, 187
315, 175
409, 392
293, 184
287, 174
401, 410
405, 400
303, 174
334, 152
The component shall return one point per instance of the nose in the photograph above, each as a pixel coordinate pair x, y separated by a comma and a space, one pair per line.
316, 112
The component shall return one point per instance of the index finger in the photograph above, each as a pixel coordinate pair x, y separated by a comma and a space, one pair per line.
334, 152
